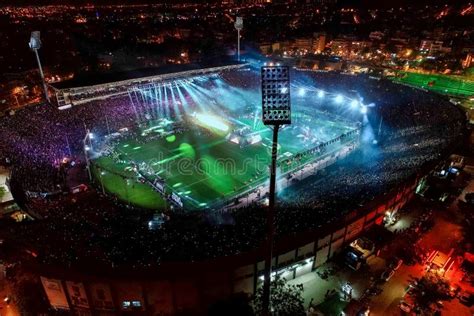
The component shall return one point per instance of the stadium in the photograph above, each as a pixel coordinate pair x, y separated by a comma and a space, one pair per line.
199, 142
146, 172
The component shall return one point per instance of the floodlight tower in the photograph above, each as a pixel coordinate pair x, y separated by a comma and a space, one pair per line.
35, 45
87, 148
239, 25
276, 111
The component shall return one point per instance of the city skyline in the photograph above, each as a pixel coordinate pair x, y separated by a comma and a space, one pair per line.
238, 158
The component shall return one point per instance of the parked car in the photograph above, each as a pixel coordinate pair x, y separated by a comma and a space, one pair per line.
405, 306
466, 298
387, 275
396, 264
374, 291
469, 197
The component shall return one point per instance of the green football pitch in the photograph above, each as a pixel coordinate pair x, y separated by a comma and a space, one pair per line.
201, 165
443, 84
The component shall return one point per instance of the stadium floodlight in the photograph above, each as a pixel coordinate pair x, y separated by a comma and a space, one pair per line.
363, 109
87, 146
354, 104
35, 40
91, 136
320, 94
276, 111
239, 25
339, 98
276, 95
35, 45
301, 92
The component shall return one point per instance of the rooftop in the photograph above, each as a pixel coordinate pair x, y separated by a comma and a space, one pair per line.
91, 79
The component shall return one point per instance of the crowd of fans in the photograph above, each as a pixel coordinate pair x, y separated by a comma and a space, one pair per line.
406, 129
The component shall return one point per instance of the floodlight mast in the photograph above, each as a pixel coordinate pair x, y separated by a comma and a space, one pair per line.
270, 226
239, 25
276, 111
87, 148
35, 45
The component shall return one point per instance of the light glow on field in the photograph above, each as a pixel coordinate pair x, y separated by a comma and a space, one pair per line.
212, 121
220, 152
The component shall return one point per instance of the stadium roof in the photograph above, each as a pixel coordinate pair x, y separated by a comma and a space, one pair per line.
91, 79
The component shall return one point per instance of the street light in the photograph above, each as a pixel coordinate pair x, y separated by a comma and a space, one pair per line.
276, 110
102, 173
35, 45
239, 25
87, 149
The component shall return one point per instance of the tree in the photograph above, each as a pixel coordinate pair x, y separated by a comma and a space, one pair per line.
431, 288
29, 298
364, 50
286, 299
391, 48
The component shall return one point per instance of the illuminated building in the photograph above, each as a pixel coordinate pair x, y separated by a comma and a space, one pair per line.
321, 43
431, 46
467, 62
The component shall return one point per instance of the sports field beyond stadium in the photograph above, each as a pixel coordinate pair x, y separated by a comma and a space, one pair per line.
443, 84
202, 164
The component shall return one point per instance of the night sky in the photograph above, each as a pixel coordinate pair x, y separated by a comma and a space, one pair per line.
355, 3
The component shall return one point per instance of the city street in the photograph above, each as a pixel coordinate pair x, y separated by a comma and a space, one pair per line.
7, 309
445, 236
